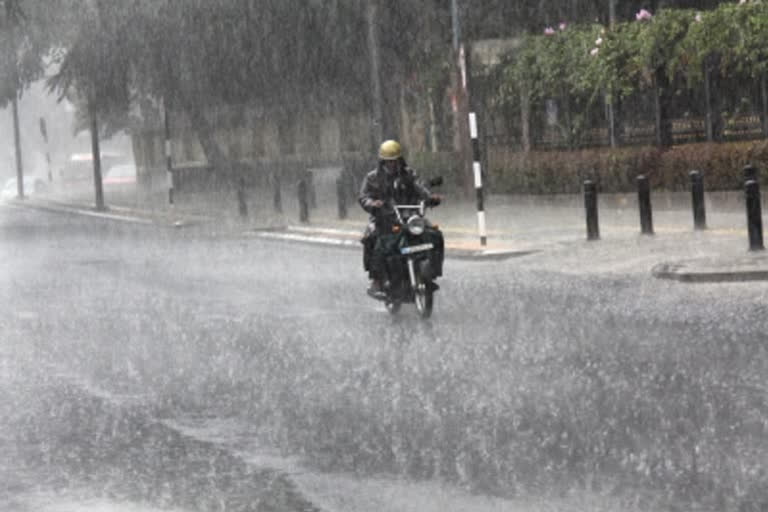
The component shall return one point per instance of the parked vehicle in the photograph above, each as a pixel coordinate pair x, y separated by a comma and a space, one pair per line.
120, 175
33, 186
79, 166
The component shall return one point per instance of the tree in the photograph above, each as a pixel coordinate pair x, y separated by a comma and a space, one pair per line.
95, 70
20, 61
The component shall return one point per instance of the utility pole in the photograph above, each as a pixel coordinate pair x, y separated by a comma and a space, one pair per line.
455, 24
459, 102
373, 48
612, 13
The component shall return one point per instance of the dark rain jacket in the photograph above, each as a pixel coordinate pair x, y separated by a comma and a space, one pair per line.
403, 187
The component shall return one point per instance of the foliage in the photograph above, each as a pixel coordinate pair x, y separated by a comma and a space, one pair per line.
735, 33
584, 60
29, 35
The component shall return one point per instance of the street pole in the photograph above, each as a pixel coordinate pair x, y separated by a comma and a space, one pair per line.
455, 24
459, 102
373, 48
612, 12
478, 175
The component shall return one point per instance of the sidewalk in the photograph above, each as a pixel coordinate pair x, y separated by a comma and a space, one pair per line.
553, 232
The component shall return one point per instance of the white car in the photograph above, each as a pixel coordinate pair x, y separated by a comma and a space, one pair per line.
120, 175
32, 186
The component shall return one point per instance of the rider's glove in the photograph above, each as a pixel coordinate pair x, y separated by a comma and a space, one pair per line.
434, 200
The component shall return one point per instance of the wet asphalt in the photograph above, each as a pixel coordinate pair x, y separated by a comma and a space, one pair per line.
94, 313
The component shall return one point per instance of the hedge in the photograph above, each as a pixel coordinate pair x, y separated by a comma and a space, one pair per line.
557, 172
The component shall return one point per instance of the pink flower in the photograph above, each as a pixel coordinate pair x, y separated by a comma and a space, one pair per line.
562, 25
698, 17
643, 15
594, 51
549, 31
599, 41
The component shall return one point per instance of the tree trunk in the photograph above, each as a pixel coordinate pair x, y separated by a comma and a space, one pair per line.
432, 123
525, 121
764, 95
570, 139
96, 153
215, 156
712, 97
662, 95
17, 144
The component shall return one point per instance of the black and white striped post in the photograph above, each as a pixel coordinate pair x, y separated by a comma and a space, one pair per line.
168, 160
478, 171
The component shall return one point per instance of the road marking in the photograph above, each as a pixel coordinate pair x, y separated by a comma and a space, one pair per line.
326, 231
311, 239
110, 216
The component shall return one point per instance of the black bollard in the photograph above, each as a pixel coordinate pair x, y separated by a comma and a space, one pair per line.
303, 201
242, 204
750, 173
311, 191
277, 197
590, 205
341, 197
697, 198
644, 201
754, 215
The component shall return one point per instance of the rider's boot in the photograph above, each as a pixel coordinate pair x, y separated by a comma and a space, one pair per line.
374, 286
375, 289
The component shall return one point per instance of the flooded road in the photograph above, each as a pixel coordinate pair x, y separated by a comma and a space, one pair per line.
173, 369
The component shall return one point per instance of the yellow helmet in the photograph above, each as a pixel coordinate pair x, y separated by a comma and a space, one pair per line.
390, 150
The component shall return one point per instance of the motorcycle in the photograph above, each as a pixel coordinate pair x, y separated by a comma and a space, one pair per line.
415, 261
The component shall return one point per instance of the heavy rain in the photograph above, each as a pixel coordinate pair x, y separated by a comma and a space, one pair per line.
232, 281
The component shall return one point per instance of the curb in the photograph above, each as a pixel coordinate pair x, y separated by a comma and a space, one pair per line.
488, 254
127, 215
330, 237
351, 240
680, 272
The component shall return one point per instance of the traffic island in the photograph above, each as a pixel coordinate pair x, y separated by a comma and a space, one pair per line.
749, 267
457, 248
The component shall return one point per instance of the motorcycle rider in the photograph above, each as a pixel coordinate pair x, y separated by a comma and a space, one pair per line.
392, 180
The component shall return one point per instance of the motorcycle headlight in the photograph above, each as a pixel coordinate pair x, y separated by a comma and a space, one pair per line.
416, 225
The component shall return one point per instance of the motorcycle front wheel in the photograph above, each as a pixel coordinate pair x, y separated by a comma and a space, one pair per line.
424, 299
